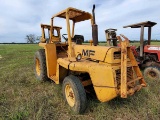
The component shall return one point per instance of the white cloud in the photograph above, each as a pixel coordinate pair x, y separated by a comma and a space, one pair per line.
21, 17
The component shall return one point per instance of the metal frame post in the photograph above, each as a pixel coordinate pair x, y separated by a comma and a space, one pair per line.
141, 41
149, 35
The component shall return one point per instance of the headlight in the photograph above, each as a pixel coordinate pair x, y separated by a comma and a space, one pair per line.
79, 57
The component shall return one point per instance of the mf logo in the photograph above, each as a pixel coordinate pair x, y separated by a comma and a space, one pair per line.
88, 52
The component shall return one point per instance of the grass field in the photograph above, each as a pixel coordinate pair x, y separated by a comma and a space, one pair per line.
22, 97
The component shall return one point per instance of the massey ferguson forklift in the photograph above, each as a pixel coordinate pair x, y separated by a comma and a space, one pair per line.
147, 55
110, 71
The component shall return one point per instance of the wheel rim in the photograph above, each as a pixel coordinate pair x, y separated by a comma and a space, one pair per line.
152, 74
69, 95
38, 69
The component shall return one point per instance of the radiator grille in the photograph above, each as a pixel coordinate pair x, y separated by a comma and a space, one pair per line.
117, 55
129, 75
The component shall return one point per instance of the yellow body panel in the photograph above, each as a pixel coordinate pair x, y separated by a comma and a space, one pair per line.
51, 58
100, 53
102, 76
93, 52
110, 56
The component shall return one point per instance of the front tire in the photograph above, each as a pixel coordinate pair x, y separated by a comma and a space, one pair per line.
152, 72
74, 93
40, 65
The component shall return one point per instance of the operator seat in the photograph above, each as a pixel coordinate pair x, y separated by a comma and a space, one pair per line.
145, 42
78, 39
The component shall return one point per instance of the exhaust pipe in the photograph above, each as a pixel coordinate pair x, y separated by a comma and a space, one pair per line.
94, 29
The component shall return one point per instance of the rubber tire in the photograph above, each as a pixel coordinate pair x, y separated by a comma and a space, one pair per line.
79, 93
40, 55
153, 68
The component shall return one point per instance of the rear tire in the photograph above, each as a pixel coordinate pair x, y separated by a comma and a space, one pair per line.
152, 72
74, 94
40, 65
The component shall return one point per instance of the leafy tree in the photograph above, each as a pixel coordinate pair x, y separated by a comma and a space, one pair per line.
31, 38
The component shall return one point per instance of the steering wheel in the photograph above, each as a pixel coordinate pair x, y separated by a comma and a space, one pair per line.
65, 37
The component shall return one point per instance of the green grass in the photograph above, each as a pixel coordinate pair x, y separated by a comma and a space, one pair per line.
22, 97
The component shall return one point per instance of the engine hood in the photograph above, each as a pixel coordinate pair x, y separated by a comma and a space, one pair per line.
98, 53
149, 48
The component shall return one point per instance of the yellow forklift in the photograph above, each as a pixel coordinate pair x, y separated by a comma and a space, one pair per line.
110, 71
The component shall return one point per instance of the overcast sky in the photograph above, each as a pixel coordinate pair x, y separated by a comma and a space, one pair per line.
21, 17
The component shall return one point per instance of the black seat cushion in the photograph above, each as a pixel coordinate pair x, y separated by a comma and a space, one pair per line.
78, 39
